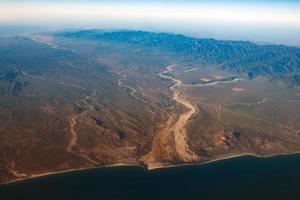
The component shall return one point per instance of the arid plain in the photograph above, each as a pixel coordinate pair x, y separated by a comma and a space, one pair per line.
69, 101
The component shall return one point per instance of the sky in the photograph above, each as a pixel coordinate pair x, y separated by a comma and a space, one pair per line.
266, 21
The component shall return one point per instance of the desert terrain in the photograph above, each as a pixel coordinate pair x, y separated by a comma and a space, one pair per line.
89, 99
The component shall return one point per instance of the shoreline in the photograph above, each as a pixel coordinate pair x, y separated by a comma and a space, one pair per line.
143, 167
221, 159
35, 176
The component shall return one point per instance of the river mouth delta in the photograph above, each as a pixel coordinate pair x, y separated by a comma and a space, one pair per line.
149, 100
134, 114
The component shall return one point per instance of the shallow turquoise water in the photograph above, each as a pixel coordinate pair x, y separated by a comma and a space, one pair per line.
237, 178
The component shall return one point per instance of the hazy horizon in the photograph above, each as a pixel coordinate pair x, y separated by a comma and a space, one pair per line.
260, 21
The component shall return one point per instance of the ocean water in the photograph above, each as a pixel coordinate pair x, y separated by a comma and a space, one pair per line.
239, 178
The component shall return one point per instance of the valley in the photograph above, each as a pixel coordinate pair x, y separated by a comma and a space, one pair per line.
88, 99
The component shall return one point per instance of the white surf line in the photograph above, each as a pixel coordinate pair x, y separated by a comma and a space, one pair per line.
154, 168
225, 157
45, 174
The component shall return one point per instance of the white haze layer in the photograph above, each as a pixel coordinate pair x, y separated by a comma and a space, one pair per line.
257, 22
